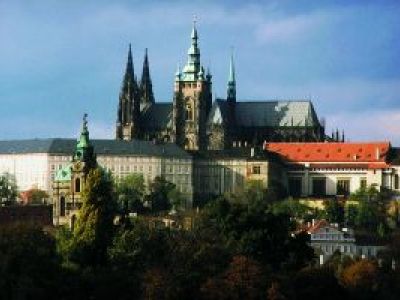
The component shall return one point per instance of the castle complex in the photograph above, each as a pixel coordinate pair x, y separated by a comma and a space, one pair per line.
204, 147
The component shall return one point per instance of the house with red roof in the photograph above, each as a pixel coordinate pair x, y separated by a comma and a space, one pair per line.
340, 168
326, 239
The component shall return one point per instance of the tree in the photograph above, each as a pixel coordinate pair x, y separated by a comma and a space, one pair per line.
251, 229
362, 278
351, 212
159, 191
130, 193
35, 196
274, 292
252, 191
316, 283
176, 198
8, 189
94, 227
292, 208
244, 279
334, 211
368, 215
29, 266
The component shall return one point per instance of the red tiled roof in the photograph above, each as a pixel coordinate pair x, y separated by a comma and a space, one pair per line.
374, 153
318, 225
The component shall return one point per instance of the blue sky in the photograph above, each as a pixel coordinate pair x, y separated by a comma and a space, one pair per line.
59, 59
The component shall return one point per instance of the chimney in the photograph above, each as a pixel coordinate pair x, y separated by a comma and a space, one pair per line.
378, 154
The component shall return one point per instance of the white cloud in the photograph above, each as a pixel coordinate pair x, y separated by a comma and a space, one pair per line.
292, 27
342, 95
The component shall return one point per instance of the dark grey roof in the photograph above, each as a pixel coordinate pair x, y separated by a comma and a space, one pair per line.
157, 116
273, 113
101, 147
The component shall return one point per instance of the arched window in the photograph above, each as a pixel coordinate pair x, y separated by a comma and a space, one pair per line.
78, 185
189, 111
62, 206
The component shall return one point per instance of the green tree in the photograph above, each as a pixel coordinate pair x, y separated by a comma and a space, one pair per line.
252, 230
29, 266
94, 227
334, 211
36, 196
253, 191
292, 208
368, 215
8, 189
176, 198
130, 193
351, 212
159, 194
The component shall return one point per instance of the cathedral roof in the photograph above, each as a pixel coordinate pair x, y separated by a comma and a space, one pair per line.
265, 113
101, 147
157, 116
275, 114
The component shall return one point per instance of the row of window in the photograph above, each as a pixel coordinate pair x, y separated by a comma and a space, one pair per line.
351, 249
318, 186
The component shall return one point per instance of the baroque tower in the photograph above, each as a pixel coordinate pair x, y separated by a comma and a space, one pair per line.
192, 101
129, 105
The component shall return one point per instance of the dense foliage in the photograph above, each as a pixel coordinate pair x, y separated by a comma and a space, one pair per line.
8, 189
239, 246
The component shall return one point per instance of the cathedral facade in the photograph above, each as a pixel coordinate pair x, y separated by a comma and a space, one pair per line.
194, 122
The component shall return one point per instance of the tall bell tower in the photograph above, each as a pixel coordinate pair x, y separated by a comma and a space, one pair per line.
192, 100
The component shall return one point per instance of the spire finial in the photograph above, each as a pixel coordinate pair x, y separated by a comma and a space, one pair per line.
84, 123
231, 68
231, 89
194, 30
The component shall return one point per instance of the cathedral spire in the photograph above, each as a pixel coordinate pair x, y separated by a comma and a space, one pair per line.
129, 103
146, 86
129, 64
231, 88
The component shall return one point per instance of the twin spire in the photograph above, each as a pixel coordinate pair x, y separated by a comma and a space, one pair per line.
134, 94
190, 72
